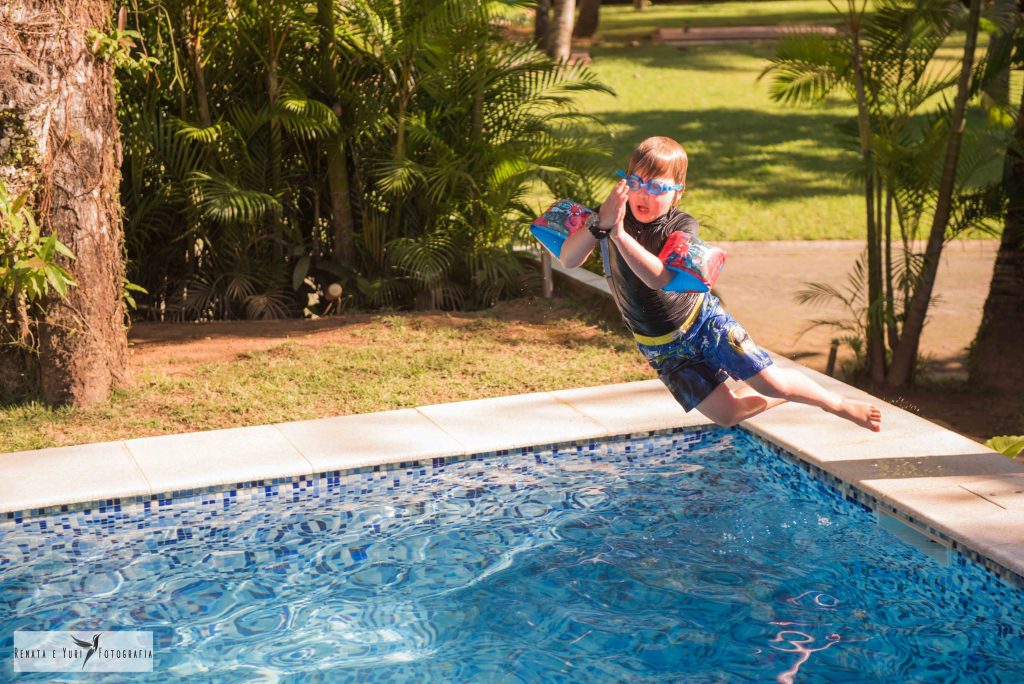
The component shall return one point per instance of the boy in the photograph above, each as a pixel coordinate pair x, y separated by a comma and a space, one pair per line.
692, 343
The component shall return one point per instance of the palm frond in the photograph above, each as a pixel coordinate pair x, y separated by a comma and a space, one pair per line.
806, 68
221, 200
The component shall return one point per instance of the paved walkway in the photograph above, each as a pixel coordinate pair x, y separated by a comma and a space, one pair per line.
733, 34
761, 279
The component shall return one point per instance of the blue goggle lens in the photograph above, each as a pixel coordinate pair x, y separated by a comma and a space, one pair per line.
654, 187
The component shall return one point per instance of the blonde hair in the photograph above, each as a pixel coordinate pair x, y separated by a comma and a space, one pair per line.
659, 157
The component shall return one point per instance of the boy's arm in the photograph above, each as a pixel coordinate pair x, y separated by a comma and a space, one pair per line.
580, 244
647, 266
576, 248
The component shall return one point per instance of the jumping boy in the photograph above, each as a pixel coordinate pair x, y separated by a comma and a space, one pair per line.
692, 343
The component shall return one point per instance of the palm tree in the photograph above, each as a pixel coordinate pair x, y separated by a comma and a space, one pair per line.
904, 356
386, 146
338, 182
886, 62
998, 355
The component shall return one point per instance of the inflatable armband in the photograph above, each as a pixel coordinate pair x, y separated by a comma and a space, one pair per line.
695, 263
562, 219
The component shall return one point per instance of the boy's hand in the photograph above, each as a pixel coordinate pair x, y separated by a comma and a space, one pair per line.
613, 210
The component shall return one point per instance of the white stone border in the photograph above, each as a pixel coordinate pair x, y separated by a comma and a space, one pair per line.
945, 481
939, 479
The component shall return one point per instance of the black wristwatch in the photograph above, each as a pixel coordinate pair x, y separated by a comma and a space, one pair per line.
598, 232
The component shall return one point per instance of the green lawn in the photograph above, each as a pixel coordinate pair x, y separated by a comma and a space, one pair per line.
758, 170
365, 363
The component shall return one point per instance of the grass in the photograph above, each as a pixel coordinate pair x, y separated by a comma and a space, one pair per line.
759, 170
374, 363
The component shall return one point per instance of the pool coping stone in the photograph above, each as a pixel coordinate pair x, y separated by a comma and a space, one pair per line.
929, 475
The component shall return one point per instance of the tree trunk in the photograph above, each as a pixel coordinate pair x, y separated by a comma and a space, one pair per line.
1000, 47
194, 49
337, 162
586, 22
542, 24
904, 358
560, 34
875, 339
65, 99
998, 356
890, 294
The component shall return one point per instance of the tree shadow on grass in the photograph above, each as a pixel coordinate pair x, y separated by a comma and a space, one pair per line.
752, 155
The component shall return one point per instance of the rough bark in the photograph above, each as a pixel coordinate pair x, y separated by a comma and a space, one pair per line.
587, 21
194, 49
560, 33
998, 356
65, 98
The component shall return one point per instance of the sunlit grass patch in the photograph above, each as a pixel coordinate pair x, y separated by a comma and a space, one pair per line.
391, 361
758, 170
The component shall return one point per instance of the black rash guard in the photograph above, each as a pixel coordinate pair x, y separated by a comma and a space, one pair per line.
648, 312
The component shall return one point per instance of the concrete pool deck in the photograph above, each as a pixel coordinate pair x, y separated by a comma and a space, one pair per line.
946, 485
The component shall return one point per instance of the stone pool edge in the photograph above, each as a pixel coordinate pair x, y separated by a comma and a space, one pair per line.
940, 482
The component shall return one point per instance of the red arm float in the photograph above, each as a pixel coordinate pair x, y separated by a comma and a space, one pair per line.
695, 263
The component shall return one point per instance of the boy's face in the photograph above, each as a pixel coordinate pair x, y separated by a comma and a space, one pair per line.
647, 207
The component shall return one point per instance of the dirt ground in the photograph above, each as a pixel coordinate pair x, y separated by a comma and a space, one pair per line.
758, 287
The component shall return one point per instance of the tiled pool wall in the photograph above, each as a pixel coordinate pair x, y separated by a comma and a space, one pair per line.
166, 511
827, 482
396, 477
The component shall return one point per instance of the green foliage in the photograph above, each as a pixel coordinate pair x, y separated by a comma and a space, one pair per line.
889, 62
29, 268
1008, 445
851, 328
444, 126
116, 47
28, 261
127, 298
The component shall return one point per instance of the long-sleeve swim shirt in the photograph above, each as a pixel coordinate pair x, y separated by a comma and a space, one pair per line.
646, 311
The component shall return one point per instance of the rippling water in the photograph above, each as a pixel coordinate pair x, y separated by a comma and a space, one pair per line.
685, 558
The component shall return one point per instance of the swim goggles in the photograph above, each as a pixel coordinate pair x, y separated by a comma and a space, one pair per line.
653, 187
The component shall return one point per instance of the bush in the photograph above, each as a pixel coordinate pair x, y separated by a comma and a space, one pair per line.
441, 125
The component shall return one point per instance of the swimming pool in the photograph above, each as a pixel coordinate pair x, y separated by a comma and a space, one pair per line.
695, 556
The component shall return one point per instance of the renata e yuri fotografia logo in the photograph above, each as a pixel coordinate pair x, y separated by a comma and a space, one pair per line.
92, 651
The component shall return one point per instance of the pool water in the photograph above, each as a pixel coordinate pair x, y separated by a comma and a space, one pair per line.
691, 557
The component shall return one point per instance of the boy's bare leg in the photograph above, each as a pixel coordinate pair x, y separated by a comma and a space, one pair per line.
727, 407
794, 386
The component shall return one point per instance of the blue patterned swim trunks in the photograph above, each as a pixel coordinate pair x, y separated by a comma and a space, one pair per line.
704, 354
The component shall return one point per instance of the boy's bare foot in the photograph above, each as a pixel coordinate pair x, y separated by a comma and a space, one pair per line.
862, 413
